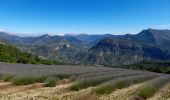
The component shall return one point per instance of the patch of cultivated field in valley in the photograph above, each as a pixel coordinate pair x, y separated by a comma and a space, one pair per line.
73, 82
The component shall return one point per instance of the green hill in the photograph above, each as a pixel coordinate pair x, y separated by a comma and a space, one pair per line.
11, 54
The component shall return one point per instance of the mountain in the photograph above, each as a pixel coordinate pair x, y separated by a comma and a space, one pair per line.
149, 44
55, 47
91, 38
88, 40
15, 40
160, 38
111, 51
59, 48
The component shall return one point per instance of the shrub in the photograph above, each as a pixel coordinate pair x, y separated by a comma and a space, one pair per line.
51, 82
40, 78
23, 80
28, 80
6, 77
110, 88
147, 91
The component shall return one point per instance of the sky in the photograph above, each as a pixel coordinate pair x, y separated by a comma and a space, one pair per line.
83, 16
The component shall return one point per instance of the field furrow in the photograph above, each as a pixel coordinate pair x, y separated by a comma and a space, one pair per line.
32, 93
162, 94
121, 94
21, 88
76, 94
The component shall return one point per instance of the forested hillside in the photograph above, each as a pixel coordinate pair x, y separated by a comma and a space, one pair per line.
153, 66
11, 54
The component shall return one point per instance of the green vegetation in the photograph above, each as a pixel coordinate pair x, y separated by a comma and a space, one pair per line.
87, 83
6, 77
98, 80
51, 82
149, 89
23, 80
167, 96
11, 54
28, 80
122, 83
152, 66
110, 88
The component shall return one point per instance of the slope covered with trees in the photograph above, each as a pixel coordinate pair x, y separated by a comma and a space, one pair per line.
153, 66
11, 54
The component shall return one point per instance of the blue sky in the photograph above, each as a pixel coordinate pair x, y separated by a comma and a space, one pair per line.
83, 16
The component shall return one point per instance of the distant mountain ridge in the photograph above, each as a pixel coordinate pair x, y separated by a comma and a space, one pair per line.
91, 38
159, 38
118, 52
150, 44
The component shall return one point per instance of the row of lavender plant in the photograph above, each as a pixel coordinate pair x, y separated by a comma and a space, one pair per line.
148, 89
123, 82
94, 81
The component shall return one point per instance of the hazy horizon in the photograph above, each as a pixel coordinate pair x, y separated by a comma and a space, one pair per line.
56, 34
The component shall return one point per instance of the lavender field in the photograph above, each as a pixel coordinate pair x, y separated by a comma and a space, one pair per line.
74, 82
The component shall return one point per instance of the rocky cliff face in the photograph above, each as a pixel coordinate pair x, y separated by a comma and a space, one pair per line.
160, 38
115, 51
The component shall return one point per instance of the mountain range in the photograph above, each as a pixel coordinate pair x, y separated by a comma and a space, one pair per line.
106, 49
